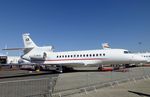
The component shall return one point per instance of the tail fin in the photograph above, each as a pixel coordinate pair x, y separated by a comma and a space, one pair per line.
28, 43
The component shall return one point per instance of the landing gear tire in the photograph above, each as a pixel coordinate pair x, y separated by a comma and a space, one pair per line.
62, 69
37, 68
100, 67
59, 69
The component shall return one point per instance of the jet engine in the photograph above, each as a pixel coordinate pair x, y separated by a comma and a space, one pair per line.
38, 57
35, 57
37, 54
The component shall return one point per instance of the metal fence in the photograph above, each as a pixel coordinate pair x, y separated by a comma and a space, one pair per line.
41, 87
68, 84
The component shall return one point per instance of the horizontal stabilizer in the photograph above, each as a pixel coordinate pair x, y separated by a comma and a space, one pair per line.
14, 49
25, 50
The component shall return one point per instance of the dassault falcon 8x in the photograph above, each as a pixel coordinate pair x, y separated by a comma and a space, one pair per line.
47, 56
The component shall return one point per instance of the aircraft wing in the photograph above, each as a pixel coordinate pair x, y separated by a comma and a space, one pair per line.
25, 50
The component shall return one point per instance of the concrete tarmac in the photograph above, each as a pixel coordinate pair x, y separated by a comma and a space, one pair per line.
86, 80
133, 89
90, 77
62, 84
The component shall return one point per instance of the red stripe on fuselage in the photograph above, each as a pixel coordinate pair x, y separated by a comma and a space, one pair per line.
78, 59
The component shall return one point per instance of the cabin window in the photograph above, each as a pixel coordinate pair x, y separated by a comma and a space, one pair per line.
65, 56
80, 55
103, 54
57, 56
71, 56
90, 55
100, 54
68, 56
77, 55
93, 55
62, 56
84, 55
96, 54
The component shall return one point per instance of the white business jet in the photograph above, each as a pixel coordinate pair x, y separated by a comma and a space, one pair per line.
46, 55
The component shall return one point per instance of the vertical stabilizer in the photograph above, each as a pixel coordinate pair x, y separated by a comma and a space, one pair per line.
28, 43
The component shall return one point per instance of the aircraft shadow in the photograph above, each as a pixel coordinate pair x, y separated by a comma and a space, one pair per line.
72, 71
139, 93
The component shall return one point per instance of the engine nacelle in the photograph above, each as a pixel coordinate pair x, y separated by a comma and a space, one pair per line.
37, 53
35, 57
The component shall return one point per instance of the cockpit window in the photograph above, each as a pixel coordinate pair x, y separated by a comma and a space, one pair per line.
127, 52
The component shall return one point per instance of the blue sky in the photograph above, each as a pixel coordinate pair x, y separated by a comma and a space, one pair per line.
76, 24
